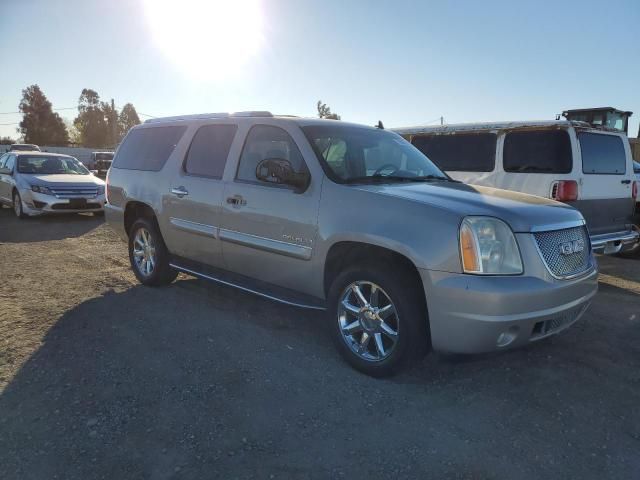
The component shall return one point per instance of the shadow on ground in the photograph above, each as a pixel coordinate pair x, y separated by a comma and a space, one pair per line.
202, 381
44, 228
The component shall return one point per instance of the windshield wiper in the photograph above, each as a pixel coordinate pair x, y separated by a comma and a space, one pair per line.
378, 178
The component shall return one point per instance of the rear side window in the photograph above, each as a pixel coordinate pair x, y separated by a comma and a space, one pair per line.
538, 151
209, 150
602, 154
148, 148
459, 152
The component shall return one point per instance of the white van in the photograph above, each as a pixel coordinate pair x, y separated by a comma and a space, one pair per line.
572, 162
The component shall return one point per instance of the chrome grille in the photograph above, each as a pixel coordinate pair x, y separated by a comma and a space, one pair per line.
562, 264
89, 191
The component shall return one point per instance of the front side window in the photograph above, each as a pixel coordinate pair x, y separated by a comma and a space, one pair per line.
356, 154
537, 151
602, 154
44, 165
10, 162
3, 159
267, 142
209, 150
148, 148
460, 152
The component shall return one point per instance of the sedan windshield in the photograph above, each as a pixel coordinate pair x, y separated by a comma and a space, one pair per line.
355, 154
44, 165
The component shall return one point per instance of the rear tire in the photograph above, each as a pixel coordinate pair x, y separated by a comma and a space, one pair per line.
17, 206
392, 322
148, 254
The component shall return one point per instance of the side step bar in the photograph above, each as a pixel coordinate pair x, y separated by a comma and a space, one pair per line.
263, 289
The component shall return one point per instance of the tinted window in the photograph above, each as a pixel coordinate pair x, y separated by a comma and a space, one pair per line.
264, 142
460, 152
209, 150
538, 151
148, 148
602, 153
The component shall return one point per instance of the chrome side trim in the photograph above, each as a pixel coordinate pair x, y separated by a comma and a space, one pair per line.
194, 227
557, 226
246, 289
266, 244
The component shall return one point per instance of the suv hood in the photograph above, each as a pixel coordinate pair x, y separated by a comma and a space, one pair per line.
67, 179
521, 211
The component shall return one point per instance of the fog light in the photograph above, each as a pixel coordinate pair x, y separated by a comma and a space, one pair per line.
506, 338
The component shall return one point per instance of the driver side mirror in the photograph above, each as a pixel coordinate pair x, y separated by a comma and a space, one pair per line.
281, 172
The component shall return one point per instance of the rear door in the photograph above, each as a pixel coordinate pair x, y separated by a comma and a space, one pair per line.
193, 207
606, 181
269, 230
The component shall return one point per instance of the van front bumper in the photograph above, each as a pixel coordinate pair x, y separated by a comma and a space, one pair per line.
476, 314
610, 243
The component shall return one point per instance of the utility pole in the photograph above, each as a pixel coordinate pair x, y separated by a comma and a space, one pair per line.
114, 125
441, 120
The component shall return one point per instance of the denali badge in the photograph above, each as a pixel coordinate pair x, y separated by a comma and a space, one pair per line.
575, 246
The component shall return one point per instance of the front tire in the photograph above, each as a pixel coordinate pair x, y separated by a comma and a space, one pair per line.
17, 206
378, 318
148, 254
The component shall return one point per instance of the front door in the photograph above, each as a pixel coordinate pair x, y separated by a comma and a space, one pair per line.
193, 204
268, 230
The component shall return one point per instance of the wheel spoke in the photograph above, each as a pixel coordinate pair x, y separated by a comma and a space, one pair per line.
138, 253
352, 328
386, 312
350, 308
364, 341
379, 345
375, 293
358, 293
389, 332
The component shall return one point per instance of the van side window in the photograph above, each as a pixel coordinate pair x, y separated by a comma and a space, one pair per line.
537, 151
148, 148
209, 150
265, 141
460, 152
602, 154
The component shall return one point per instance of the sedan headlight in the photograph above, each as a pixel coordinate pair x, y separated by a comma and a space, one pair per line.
100, 189
488, 247
41, 189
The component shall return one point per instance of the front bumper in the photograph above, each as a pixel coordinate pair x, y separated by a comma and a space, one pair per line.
610, 243
34, 203
475, 314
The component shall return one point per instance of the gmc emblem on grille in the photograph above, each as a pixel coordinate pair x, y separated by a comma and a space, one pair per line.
575, 246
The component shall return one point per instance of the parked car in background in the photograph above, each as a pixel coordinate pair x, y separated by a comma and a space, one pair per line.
35, 183
354, 220
24, 147
101, 162
588, 168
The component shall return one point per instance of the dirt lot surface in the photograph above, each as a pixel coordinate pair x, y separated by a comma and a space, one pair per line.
103, 378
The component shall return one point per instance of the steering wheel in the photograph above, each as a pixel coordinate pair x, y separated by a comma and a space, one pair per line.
383, 167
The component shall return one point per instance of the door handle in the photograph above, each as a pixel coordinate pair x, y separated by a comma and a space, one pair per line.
179, 192
236, 201
626, 182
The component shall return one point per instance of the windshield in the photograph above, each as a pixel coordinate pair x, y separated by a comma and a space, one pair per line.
355, 154
44, 165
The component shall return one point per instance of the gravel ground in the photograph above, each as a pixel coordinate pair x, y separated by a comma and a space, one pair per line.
103, 378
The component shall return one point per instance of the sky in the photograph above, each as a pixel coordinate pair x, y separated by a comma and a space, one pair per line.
402, 62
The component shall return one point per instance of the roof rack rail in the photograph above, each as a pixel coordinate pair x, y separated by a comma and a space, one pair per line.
208, 116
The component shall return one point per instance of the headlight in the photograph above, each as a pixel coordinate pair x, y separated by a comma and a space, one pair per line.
100, 189
488, 247
41, 189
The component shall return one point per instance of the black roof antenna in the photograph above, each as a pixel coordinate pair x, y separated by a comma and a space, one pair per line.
380, 125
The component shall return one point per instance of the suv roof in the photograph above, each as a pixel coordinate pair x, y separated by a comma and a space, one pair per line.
457, 127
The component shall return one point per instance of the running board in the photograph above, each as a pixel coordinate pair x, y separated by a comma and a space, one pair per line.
262, 289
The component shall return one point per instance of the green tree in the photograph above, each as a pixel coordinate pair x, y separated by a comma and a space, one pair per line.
40, 125
128, 119
91, 122
325, 112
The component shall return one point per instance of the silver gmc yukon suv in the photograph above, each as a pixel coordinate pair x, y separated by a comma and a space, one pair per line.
354, 220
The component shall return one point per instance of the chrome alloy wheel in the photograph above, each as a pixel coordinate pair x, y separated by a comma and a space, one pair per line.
368, 321
144, 252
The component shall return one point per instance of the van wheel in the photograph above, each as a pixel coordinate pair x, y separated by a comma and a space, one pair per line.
378, 319
17, 206
148, 254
